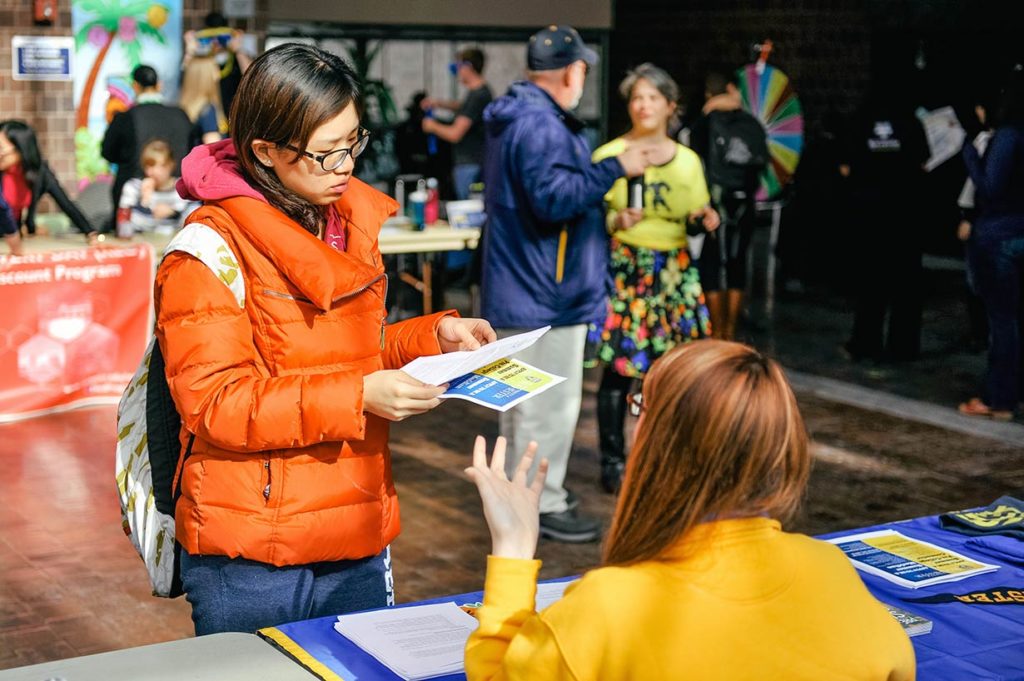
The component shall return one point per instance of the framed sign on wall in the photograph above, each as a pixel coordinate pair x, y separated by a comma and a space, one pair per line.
42, 57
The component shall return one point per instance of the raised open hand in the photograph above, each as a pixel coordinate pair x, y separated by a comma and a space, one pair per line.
511, 507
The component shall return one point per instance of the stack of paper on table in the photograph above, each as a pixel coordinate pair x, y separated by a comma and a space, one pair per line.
908, 562
487, 376
550, 593
418, 642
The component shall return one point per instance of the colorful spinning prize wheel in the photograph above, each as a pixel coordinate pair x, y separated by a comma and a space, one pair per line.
768, 95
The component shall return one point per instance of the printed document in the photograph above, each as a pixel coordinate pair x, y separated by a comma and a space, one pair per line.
944, 133
908, 562
551, 593
439, 369
418, 642
487, 376
502, 385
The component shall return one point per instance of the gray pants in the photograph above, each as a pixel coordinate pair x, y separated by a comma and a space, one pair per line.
550, 418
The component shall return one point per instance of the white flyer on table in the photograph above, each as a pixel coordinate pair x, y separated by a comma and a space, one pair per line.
551, 592
440, 369
906, 561
418, 642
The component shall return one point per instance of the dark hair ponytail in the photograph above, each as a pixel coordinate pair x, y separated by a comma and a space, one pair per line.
285, 95
23, 138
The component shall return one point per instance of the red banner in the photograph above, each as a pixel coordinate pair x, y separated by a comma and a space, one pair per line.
73, 327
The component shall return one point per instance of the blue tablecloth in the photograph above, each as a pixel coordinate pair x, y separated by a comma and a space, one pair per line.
977, 637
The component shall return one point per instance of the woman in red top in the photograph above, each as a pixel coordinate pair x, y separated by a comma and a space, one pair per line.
26, 177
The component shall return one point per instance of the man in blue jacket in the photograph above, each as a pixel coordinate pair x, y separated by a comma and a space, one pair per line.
545, 250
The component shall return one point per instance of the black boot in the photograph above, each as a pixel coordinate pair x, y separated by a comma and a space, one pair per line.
611, 416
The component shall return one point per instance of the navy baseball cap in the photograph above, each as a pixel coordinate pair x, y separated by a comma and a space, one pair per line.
555, 47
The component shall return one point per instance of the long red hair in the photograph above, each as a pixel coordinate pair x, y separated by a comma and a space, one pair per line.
721, 437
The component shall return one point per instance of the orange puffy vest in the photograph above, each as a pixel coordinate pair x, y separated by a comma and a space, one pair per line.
286, 468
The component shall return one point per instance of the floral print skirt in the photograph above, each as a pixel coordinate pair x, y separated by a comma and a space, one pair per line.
656, 304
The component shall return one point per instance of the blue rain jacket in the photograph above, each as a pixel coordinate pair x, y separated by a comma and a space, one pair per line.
545, 247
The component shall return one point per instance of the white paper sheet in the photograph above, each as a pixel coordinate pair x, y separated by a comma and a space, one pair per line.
906, 561
944, 133
551, 593
419, 642
439, 369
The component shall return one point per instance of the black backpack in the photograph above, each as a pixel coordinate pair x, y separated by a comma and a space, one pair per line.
737, 150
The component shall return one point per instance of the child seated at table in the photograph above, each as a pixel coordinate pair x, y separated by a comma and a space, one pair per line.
152, 204
699, 580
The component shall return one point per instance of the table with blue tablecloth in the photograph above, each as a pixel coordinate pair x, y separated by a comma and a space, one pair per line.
978, 622
977, 634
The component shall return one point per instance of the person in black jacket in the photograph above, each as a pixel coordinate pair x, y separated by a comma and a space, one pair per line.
882, 163
148, 120
733, 145
26, 177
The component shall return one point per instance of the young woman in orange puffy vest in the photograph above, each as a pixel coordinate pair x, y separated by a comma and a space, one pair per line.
287, 504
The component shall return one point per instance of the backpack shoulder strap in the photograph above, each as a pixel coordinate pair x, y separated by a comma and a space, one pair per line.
206, 244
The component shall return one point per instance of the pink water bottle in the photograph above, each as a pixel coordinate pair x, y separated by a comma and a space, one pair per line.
432, 210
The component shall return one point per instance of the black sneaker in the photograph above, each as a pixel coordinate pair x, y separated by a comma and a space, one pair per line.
571, 500
570, 527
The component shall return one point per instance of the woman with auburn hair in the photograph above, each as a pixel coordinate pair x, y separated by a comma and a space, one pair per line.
287, 507
699, 580
200, 100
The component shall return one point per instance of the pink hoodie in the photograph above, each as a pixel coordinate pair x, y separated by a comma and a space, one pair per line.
210, 172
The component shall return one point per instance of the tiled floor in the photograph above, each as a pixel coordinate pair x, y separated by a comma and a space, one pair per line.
70, 583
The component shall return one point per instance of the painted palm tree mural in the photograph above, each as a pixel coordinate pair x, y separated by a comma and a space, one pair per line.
111, 37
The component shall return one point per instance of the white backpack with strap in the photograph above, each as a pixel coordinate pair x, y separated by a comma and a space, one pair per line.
148, 453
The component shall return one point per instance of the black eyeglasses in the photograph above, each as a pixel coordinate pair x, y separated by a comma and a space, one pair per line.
635, 401
334, 159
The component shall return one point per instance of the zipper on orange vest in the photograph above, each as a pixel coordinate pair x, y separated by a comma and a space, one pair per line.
384, 314
367, 285
266, 489
349, 294
563, 243
334, 301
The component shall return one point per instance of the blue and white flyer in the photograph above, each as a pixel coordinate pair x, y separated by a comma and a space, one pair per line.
905, 561
502, 385
487, 376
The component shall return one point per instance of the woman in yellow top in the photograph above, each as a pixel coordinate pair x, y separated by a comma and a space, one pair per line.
657, 301
699, 580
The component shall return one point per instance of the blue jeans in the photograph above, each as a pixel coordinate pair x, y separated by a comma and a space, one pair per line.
464, 175
997, 265
236, 594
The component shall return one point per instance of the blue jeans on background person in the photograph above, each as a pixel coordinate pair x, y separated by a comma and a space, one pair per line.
997, 266
463, 176
236, 594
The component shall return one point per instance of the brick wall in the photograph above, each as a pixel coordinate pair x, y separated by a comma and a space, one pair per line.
822, 45
48, 106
